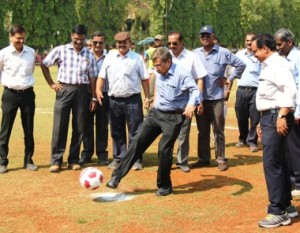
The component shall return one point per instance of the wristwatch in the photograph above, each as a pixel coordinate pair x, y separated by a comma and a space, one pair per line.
94, 99
281, 116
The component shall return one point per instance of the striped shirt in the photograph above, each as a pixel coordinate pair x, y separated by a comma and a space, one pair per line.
74, 68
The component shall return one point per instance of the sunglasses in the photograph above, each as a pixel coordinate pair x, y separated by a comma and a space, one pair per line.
172, 43
97, 42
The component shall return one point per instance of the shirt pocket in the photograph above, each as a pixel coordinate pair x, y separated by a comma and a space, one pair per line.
84, 67
171, 91
27, 67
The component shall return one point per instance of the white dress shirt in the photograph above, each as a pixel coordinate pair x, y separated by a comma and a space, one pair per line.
17, 68
277, 87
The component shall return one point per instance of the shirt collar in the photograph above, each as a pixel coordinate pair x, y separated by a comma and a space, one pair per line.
12, 49
171, 70
182, 54
270, 59
126, 55
83, 50
214, 48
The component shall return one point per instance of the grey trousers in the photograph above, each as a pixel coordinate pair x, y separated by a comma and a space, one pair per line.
184, 142
213, 114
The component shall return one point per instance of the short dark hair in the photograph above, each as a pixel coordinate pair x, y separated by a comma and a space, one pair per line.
16, 29
100, 34
161, 53
79, 29
265, 39
176, 33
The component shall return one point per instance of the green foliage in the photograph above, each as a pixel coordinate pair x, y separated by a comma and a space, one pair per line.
49, 22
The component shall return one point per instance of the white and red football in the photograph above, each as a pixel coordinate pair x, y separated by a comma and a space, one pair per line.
91, 178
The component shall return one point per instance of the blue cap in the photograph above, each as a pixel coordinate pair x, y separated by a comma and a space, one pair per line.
206, 29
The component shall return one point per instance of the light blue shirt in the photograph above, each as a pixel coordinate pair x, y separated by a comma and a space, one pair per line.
294, 60
215, 63
175, 90
99, 64
251, 73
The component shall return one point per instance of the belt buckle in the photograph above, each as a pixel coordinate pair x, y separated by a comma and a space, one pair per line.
19, 91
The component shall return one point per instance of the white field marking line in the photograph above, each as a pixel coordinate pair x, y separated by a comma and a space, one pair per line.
50, 112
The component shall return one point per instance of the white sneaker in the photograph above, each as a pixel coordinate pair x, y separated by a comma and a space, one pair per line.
296, 193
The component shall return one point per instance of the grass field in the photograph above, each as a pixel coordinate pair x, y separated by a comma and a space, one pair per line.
204, 200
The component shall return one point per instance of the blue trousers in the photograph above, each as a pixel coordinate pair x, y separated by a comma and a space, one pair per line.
275, 163
124, 112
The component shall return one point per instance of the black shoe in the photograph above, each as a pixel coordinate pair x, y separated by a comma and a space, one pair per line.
200, 163
103, 162
184, 168
83, 161
164, 191
113, 183
31, 167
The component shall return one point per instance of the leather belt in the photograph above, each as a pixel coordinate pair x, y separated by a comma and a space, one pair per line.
171, 112
271, 111
19, 91
248, 88
124, 98
74, 85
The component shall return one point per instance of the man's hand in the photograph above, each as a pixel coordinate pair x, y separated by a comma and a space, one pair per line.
258, 131
93, 105
282, 128
189, 111
99, 96
56, 87
147, 103
199, 110
223, 81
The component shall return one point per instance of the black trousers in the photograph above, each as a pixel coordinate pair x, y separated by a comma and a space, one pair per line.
245, 110
293, 151
275, 163
72, 98
124, 112
156, 123
11, 101
97, 120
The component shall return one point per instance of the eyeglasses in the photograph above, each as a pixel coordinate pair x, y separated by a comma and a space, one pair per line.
207, 35
172, 43
255, 51
158, 65
95, 43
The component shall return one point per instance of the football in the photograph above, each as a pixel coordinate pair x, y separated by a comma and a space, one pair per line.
91, 178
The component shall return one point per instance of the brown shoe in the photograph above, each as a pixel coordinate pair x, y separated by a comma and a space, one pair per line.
74, 167
222, 166
54, 168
